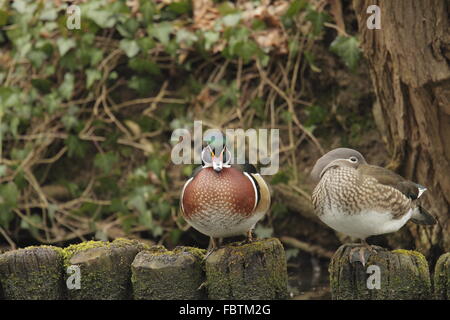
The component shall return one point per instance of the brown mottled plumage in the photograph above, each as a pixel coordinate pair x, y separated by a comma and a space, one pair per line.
221, 200
352, 191
362, 200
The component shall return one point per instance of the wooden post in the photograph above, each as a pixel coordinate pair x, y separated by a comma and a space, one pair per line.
159, 274
256, 270
397, 275
104, 269
442, 278
34, 273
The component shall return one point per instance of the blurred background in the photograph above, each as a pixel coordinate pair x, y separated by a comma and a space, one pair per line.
87, 115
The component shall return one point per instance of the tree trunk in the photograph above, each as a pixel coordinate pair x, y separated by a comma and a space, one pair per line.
409, 65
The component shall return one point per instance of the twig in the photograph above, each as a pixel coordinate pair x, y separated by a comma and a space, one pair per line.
310, 248
12, 244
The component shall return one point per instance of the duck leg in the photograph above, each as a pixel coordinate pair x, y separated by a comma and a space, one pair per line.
211, 247
250, 236
364, 252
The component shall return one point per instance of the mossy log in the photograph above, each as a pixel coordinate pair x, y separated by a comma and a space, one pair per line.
442, 278
387, 275
34, 273
256, 270
105, 269
159, 274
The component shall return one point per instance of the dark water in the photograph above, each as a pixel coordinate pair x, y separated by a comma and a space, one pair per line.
308, 279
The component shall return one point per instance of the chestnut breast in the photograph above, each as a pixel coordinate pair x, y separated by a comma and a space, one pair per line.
228, 191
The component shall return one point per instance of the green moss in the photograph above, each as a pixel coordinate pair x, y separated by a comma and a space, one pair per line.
404, 274
123, 242
163, 274
410, 253
71, 250
57, 249
420, 260
105, 267
197, 252
32, 273
442, 278
255, 270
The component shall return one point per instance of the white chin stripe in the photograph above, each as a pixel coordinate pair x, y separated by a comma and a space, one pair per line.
421, 190
254, 189
182, 192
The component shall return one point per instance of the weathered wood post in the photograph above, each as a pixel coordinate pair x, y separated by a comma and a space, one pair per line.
255, 270
34, 273
442, 277
397, 275
104, 269
159, 274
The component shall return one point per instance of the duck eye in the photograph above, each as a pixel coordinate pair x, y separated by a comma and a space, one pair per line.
353, 159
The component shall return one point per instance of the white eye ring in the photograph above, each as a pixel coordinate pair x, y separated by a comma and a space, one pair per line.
353, 159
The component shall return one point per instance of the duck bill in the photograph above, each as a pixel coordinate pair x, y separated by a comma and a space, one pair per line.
217, 164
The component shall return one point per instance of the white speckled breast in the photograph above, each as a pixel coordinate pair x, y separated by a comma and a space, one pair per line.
220, 204
358, 205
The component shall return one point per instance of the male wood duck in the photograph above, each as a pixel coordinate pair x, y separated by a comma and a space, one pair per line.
362, 200
222, 200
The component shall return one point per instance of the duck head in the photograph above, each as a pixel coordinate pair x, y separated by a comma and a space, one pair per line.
216, 160
340, 156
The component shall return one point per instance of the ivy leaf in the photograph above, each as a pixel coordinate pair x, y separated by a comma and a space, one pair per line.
75, 147
2, 170
180, 7
137, 202
65, 45
148, 10
43, 85
295, 7
91, 76
317, 19
9, 194
143, 85
146, 219
130, 47
36, 57
211, 38
186, 37
347, 48
232, 20
161, 31
49, 12
105, 161
144, 66
66, 88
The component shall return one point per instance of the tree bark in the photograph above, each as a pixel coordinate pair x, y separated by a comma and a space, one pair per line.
409, 64
442, 278
253, 271
387, 275
169, 275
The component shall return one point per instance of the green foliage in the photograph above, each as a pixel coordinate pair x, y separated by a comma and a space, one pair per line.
317, 19
86, 114
347, 48
9, 195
